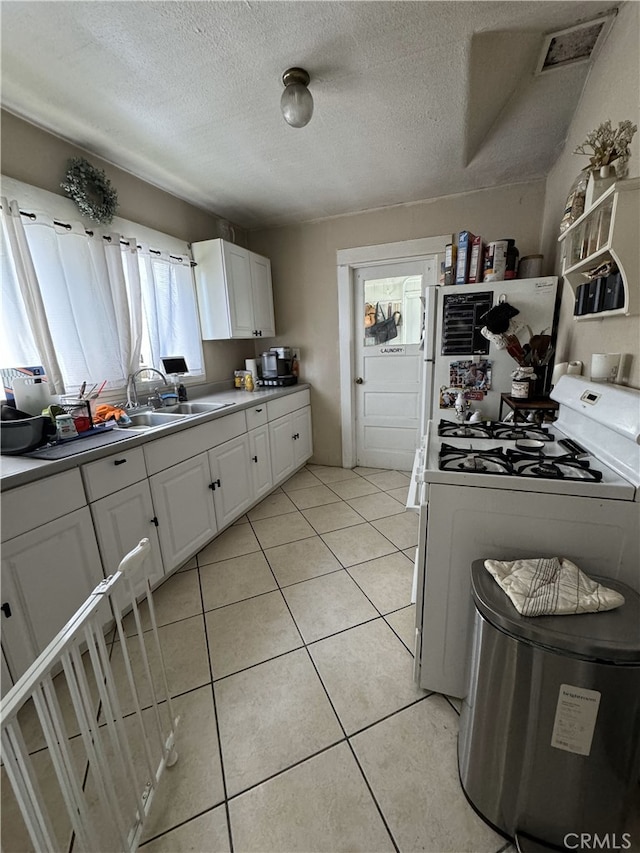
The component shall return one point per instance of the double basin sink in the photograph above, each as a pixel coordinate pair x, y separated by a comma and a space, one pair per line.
143, 421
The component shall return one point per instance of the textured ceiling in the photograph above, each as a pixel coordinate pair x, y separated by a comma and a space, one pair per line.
412, 100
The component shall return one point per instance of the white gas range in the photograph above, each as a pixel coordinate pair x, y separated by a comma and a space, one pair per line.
504, 491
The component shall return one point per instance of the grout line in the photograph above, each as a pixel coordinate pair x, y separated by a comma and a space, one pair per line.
406, 645
451, 703
215, 716
388, 716
182, 823
373, 797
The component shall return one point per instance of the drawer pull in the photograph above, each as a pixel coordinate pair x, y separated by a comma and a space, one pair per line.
154, 520
258, 410
6, 609
216, 483
119, 461
255, 458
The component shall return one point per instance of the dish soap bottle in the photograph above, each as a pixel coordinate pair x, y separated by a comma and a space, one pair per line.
182, 393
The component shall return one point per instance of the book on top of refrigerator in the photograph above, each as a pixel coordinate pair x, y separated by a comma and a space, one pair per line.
465, 240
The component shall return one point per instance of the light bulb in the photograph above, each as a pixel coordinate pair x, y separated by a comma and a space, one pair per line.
296, 101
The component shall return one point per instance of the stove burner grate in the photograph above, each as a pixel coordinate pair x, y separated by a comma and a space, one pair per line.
493, 429
449, 429
468, 460
514, 432
565, 467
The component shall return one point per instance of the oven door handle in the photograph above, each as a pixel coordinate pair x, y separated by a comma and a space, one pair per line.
417, 482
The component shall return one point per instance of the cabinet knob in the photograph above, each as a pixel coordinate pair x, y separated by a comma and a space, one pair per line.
6, 609
214, 485
154, 520
119, 461
359, 380
255, 458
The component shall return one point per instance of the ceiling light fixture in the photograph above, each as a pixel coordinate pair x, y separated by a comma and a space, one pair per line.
296, 102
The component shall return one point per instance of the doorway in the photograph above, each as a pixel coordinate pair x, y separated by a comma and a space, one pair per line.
382, 415
387, 334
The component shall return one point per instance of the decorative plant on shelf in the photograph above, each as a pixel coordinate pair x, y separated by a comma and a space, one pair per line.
604, 145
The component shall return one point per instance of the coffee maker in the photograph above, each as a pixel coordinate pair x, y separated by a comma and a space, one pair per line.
276, 367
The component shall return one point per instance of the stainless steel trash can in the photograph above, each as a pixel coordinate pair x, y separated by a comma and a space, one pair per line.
549, 743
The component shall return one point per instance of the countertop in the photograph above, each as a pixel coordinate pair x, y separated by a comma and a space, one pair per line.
19, 470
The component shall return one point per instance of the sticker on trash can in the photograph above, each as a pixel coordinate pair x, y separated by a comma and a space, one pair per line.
575, 722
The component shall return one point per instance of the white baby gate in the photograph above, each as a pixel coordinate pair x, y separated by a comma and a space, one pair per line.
125, 753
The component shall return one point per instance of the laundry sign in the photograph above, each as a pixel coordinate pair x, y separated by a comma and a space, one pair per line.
398, 350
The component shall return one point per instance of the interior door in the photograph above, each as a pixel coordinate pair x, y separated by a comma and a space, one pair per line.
389, 360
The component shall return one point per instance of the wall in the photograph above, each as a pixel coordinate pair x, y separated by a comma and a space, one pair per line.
303, 260
612, 91
32, 155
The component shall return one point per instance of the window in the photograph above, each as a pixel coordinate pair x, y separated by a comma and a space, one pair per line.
92, 305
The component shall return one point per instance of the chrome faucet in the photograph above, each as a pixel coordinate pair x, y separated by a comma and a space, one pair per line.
132, 391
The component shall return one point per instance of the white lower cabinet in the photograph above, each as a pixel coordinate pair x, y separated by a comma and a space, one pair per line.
50, 557
260, 461
290, 442
47, 574
302, 437
231, 479
183, 502
121, 520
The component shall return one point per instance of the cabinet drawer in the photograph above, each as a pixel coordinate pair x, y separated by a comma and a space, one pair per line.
286, 405
116, 472
27, 507
165, 452
256, 416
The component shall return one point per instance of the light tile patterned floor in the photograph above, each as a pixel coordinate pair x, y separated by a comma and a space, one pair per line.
289, 648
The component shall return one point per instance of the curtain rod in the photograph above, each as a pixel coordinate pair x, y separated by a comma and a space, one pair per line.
104, 236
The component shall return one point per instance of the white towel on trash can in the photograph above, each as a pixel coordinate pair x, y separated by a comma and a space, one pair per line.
551, 586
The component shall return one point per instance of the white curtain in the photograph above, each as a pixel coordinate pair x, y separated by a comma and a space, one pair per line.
168, 295
26, 335
90, 302
92, 306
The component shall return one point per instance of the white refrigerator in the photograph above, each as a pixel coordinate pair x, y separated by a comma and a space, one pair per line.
458, 357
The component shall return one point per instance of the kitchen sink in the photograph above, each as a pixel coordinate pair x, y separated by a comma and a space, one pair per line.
194, 408
153, 419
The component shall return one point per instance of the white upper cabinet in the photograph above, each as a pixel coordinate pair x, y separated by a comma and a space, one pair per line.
235, 296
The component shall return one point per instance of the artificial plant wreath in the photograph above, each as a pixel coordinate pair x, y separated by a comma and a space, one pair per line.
91, 190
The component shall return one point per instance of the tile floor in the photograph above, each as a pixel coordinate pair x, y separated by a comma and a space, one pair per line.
288, 646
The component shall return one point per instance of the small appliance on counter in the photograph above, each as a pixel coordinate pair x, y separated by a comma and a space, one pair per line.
277, 367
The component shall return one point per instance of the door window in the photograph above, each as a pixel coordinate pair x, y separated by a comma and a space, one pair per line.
392, 310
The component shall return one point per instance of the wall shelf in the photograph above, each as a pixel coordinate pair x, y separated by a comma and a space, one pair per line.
608, 231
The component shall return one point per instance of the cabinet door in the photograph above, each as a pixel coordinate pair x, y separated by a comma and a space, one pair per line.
260, 461
231, 476
262, 295
303, 443
46, 575
121, 520
238, 276
183, 504
281, 447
